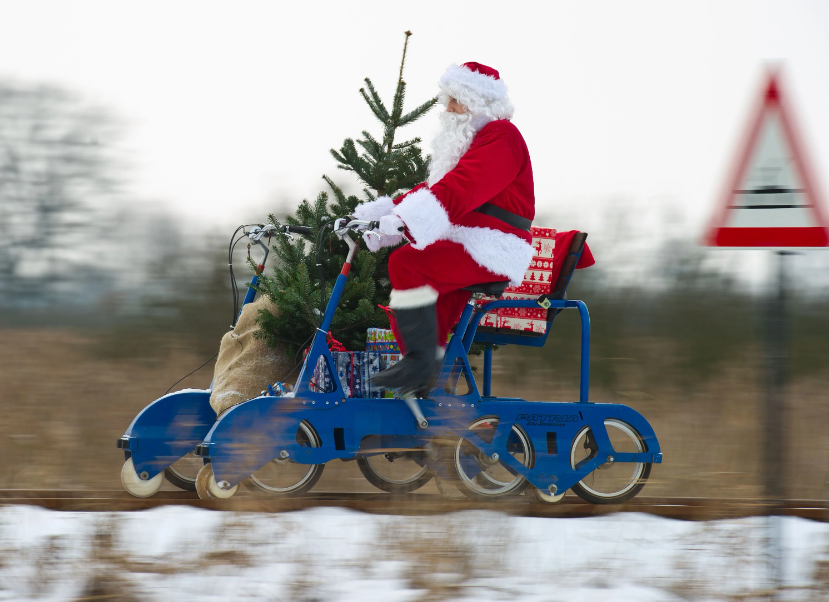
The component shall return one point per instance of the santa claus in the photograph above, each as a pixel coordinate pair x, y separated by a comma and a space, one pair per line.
469, 223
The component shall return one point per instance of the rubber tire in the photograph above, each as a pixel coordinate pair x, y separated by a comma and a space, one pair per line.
207, 487
630, 494
181, 482
393, 488
536, 497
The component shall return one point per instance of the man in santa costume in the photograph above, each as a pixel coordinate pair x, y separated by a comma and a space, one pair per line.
469, 223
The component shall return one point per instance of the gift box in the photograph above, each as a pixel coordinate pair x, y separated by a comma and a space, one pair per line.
387, 360
355, 370
381, 340
321, 381
537, 281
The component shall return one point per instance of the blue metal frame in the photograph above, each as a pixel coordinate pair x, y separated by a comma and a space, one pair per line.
497, 338
249, 435
168, 429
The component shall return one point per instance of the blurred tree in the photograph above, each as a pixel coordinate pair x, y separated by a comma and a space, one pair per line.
57, 171
384, 168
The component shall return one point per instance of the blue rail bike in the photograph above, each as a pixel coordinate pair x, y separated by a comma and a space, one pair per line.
489, 447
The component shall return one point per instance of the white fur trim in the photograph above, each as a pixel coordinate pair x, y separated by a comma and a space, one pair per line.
484, 85
424, 216
413, 297
499, 252
374, 210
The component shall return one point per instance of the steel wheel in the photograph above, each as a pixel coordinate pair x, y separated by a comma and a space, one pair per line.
612, 482
396, 472
183, 472
494, 480
283, 476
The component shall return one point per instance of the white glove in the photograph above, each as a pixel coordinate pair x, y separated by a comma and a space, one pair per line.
391, 225
375, 243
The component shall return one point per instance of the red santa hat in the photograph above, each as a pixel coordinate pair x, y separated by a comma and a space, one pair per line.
480, 80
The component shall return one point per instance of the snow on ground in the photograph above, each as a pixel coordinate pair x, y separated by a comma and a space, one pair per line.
332, 554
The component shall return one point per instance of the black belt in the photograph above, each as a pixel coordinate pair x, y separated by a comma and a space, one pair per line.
513, 219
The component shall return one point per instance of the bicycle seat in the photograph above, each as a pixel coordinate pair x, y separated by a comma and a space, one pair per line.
494, 289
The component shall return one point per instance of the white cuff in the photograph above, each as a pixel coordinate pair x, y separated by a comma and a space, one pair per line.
413, 297
374, 210
424, 216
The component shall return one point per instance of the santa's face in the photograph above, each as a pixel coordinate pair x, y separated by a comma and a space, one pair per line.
453, 106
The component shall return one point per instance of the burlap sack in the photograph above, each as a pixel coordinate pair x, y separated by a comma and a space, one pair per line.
246, 365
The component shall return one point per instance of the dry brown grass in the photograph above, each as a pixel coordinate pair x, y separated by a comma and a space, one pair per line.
67, 397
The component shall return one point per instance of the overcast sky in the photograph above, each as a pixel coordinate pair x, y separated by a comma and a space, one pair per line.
233, 106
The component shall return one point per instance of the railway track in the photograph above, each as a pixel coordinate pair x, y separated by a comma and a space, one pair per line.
415, 504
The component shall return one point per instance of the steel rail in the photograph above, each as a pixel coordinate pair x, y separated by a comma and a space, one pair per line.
693, 509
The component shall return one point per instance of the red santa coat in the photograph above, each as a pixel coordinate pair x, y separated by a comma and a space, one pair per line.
497, 170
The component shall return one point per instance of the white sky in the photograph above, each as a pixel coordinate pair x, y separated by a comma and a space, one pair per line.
233, 106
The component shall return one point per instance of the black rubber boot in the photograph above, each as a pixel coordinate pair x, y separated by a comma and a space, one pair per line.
416, 371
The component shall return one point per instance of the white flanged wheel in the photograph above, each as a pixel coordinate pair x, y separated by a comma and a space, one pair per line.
494, 480
137, 486
284, 477
207, 487
536, 496
611, 482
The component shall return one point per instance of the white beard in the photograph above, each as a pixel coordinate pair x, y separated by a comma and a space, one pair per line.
451, 143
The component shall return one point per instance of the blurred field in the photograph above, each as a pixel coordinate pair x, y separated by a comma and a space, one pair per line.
69, 394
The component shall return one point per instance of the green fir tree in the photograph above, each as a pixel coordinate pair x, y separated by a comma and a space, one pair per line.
384, 168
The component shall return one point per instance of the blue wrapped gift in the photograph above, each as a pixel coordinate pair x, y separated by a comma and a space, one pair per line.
355, 370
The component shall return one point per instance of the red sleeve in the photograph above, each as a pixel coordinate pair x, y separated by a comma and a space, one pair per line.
490, 165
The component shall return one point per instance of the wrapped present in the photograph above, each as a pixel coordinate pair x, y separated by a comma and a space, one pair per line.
321, 381
381, 340
355, 370
387, 360
537, 281
370, 367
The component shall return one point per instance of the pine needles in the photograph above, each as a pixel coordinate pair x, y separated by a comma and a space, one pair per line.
384, 168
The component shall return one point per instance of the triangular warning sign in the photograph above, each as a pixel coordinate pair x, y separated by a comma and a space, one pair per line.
771, 200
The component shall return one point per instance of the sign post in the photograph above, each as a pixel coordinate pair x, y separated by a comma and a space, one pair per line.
771, 203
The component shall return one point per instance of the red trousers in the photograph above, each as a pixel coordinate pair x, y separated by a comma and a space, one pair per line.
447, 268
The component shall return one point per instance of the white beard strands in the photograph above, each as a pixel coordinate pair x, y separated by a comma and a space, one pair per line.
450, 144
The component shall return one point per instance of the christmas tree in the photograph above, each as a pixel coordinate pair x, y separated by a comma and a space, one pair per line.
384, 167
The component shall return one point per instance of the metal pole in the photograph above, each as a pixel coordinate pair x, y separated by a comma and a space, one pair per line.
776, 366
488, 371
